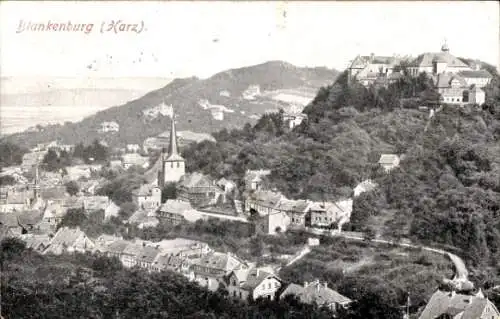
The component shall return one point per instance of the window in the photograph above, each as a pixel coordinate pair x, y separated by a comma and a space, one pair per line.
276, 285
178, 164
172, 165
269, 286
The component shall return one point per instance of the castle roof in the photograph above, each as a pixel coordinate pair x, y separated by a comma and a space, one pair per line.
426, 60
476, 74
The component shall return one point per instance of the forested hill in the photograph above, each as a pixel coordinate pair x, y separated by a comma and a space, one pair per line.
447, 189
193, 99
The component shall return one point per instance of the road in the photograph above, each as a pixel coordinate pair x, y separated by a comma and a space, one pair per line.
461, 272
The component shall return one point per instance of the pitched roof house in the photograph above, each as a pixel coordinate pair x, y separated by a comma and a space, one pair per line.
389, 161
69, 240
173, 210
211, 268
198, 189
445, 304
318, 293
143, 219
254, 283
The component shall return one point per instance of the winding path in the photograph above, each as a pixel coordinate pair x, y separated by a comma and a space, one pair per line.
461, 273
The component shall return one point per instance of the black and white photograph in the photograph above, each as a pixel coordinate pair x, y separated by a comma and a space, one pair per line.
249, 159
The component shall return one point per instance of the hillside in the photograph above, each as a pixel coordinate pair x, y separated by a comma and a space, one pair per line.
195, 100
446, 190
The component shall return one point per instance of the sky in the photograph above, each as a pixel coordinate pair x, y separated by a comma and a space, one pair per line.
180, 39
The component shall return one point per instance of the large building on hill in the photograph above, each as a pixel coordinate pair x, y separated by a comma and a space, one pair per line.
369, 69
437, 62
173, 165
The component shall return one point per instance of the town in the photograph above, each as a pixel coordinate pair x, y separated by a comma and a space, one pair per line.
126, 194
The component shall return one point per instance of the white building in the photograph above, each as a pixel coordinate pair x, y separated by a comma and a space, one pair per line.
109, 127
255, 282
389, 161
477, 96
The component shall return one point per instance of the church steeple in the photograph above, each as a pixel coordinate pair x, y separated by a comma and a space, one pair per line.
173, 167
172, 147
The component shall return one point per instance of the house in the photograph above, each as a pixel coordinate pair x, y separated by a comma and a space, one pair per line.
130, 254
77, 172
225, 93
293, 119
172, 211
54, 213
295, 209
105, 127
133, 148
479, 78
264, 208
254, 283
95, 203
437, 62
476, 96
36, 242
69, 240
182, 247
253, 179
188, 137
316, 292
211, 268
112, 249
251, 92
226, 185
147, 194
30, 221
444, 304
217, 113
147, 257
389, 161
198, 189
144, 219
134, 159
451, 87
262, 202
367, 69
111, 211
326, 213
14, 200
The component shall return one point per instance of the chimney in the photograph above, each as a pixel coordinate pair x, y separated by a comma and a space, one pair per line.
372, 57
257, 272
306, 284
325, 284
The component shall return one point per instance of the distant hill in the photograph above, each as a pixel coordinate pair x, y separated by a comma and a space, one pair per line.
241, 95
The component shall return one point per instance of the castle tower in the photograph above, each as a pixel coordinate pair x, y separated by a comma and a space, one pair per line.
173, 165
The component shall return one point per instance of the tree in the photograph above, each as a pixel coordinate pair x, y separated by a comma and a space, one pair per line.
10, 247
72, 188
169, 192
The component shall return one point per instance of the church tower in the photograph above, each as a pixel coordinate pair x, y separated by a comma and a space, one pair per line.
173, 165
36, 185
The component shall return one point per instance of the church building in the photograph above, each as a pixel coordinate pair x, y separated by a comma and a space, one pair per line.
173, 165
